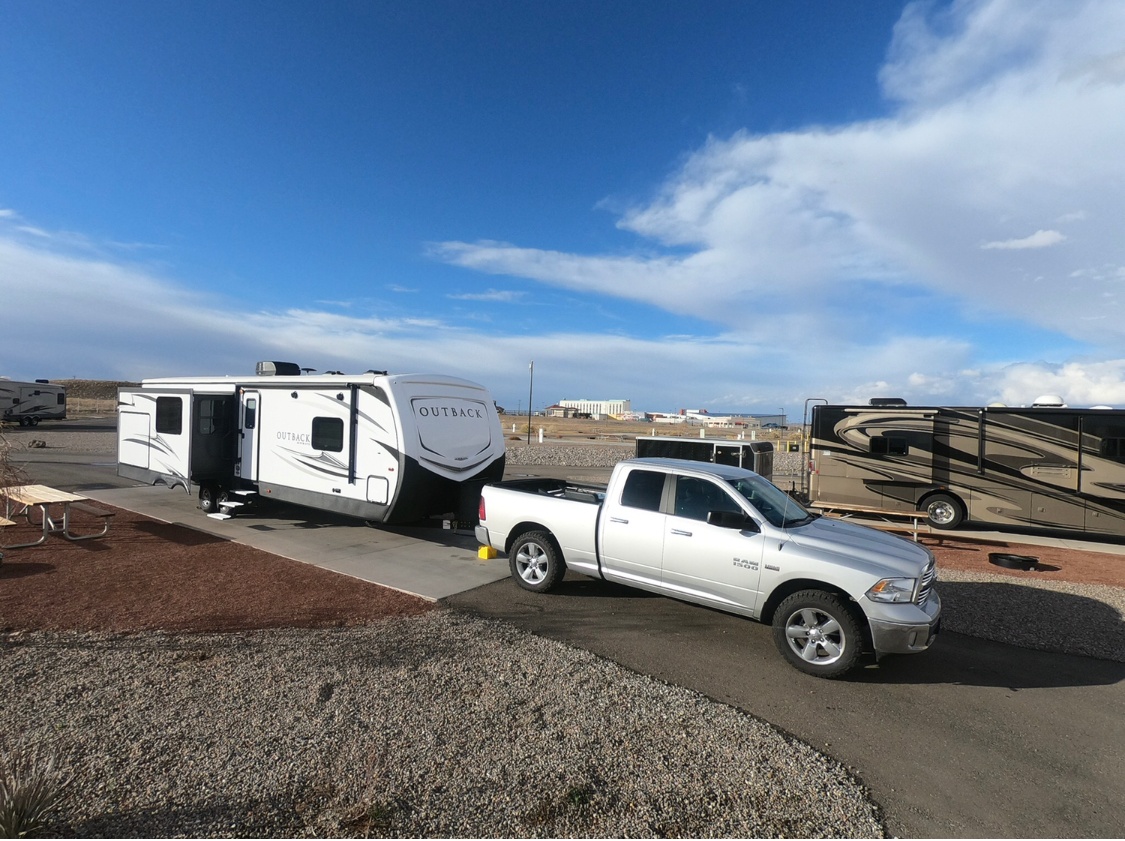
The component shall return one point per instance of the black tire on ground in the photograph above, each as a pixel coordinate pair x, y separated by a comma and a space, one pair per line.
208, 499
944, 511
23, 421
536, 562
818, 633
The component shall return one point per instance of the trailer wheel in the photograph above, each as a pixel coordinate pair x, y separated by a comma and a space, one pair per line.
208, 499
23, 421
944, 511
33, 421
817, 633
536, 561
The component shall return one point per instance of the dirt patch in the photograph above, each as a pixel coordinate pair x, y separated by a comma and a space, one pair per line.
1054, 563
147, 575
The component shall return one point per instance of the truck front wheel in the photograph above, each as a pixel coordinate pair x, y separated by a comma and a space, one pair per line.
536, 562
817, 633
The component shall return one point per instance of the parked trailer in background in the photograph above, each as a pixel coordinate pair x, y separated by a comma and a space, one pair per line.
1040, 467
30, 403
386, 448
752, 455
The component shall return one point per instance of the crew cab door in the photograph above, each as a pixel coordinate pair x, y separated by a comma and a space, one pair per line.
632, 528
702, 562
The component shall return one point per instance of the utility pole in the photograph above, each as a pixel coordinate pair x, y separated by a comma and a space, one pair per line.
530, 392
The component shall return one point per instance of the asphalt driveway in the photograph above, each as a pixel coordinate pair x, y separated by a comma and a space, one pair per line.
972, 739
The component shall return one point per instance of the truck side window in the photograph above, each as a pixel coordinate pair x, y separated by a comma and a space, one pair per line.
696, 497
643, 489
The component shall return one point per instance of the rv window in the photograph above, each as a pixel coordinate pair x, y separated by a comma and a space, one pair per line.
212, 416
643, 489
891, 445
328, 434
250, 416
170, 415
61, 398
1112, 448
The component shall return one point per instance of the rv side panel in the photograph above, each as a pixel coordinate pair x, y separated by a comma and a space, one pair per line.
154, 436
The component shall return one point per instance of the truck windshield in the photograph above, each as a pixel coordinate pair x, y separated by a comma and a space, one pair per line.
773, 503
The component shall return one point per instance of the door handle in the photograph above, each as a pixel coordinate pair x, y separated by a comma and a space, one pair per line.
618, 520
681, 532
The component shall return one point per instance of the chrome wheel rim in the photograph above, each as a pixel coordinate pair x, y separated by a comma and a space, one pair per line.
941, 512
531, 563
815, 636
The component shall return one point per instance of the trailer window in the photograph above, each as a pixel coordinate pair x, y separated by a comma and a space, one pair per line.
643, 489
212, 416
889, 445
61, 398
170, 415
328, 434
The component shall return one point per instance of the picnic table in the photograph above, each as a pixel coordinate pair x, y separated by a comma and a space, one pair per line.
24, 500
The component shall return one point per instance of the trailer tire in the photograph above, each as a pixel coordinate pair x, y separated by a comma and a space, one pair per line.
208, 499
944, 511
536, 561
817, 633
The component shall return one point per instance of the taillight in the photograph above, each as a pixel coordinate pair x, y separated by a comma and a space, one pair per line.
480, 510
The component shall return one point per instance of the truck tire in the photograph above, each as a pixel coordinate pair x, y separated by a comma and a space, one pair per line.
536, 562
817, 633
944, 511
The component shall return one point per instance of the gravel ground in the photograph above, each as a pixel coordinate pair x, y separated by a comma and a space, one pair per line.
440, 725
426, 727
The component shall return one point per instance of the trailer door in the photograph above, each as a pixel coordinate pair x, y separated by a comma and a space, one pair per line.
249, 406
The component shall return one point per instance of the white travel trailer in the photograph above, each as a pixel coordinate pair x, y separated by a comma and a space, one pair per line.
387, 448
30, 403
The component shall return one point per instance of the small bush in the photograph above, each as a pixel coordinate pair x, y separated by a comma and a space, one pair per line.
10, 474
32, 784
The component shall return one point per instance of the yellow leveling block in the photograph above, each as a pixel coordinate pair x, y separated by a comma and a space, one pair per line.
486, 553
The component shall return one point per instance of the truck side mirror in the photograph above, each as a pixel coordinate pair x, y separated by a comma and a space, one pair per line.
731, 520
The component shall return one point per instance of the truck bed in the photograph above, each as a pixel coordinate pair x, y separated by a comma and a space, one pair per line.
557, 488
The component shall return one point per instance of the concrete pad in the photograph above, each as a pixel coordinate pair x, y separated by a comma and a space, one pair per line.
429, 562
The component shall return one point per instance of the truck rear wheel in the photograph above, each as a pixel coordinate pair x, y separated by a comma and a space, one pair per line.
536, 561
817, 633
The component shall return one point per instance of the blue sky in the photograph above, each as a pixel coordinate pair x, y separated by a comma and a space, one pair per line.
730, 205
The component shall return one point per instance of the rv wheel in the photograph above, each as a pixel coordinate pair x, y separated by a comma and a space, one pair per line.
944, 511
208, 499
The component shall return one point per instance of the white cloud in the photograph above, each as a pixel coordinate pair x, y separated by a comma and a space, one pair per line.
500, 296
1039, 239
1011, 113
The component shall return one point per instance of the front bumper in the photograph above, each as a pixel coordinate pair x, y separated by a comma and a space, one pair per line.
907, 634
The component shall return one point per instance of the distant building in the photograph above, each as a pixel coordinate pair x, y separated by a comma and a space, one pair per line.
598, 409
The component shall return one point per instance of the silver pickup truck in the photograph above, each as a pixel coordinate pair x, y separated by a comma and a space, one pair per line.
726, 538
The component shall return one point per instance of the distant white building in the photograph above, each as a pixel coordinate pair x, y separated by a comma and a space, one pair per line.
598, 408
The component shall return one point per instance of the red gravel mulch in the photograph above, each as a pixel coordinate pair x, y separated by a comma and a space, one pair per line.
149, 575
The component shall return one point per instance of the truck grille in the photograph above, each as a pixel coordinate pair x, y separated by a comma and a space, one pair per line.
926, 585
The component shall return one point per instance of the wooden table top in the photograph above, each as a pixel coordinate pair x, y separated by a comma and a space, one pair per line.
38, 495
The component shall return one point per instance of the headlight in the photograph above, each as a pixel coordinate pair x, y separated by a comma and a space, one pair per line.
895, 590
